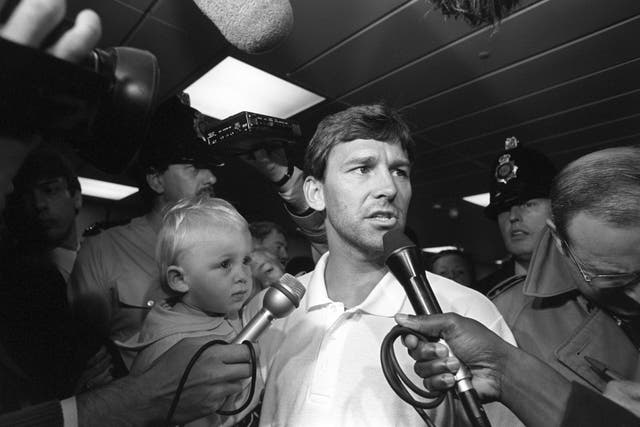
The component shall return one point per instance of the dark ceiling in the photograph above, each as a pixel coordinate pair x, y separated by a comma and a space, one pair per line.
562, 76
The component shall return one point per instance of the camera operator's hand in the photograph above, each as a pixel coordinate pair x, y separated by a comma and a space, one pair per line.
32, 21
482, 350
271, 164
274, 165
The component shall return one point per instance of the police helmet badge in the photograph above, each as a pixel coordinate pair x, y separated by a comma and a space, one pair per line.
507, 168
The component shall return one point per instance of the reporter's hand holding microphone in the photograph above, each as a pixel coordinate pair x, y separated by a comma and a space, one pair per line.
533, 390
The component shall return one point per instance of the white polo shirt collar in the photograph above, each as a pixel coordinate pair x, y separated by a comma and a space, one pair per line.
380, 301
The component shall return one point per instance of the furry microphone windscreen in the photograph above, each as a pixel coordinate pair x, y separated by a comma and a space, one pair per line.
253, 26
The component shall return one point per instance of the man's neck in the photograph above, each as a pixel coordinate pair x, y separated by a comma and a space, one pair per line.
154, 216
521, 267
350, 278
70, 241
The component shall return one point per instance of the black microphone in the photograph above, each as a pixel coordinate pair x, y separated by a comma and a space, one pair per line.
279, 301
405, 262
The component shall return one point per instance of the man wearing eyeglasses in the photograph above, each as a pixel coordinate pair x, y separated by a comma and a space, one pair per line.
579, 306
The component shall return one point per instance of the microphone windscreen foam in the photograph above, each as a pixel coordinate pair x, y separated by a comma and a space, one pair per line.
253, 26
393, 240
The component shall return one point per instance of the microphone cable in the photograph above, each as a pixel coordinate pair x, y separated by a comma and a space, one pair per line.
399, 381
192, 362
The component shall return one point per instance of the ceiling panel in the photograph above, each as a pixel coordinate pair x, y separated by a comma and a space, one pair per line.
605, 84
518, 37
186, 16
582, 57
454, 167
409, 33
318, 26
588, 115
141, 5
180, 54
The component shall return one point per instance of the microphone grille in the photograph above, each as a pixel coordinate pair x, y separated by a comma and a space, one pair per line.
394, 240
293, 285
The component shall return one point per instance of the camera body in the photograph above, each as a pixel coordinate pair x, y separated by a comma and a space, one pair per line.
101, 107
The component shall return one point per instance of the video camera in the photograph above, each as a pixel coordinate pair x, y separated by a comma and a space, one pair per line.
101, 107
246, 132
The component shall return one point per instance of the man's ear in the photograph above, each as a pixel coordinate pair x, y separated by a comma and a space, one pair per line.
314, 193
176, 279
554, 234
155, 181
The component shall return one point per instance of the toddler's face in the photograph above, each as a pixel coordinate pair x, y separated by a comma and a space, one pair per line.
217, 270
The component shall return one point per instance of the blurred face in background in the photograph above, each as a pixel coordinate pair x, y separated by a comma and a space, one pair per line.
265, 268
453, 267
182, 180
275, 243
51, 208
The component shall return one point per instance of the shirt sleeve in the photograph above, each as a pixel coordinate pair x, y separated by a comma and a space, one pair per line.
69, 412
48, 414
89, 294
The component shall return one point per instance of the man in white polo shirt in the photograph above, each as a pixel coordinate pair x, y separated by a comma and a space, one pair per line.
322, 363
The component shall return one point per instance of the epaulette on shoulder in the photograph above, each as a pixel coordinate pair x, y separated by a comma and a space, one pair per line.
505, 285
98, 227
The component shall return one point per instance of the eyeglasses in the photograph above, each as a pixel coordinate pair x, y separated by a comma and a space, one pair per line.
603, 280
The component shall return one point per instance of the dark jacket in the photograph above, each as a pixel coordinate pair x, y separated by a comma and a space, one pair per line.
506, 271
551, 319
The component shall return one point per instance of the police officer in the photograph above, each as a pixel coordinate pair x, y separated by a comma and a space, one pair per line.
520, 182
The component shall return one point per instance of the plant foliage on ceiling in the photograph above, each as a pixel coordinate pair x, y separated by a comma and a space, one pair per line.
476, 12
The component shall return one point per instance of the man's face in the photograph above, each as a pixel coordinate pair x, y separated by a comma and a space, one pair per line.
522, 225
265, 268
276, 243
453, 267
366, 192
180, 181
601, 248
52, 208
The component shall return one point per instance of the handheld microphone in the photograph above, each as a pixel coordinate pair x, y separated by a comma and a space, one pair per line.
279, 301
253, 26
405, 262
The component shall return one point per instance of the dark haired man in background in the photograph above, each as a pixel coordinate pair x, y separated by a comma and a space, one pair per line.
271, 237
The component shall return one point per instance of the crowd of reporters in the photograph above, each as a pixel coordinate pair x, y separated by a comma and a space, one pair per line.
572, 289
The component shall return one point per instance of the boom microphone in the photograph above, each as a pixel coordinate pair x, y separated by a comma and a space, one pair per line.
405, 262
279, 301
253, 26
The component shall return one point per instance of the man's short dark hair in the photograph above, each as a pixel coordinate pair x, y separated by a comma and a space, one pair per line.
43, 164
376, 121
604, 184
261, 229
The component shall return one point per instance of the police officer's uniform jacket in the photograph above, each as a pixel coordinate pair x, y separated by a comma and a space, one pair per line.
551, 319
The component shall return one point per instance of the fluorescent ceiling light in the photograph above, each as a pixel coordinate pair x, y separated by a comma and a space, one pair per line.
105, 190
478, 199
233, 86
436, 249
